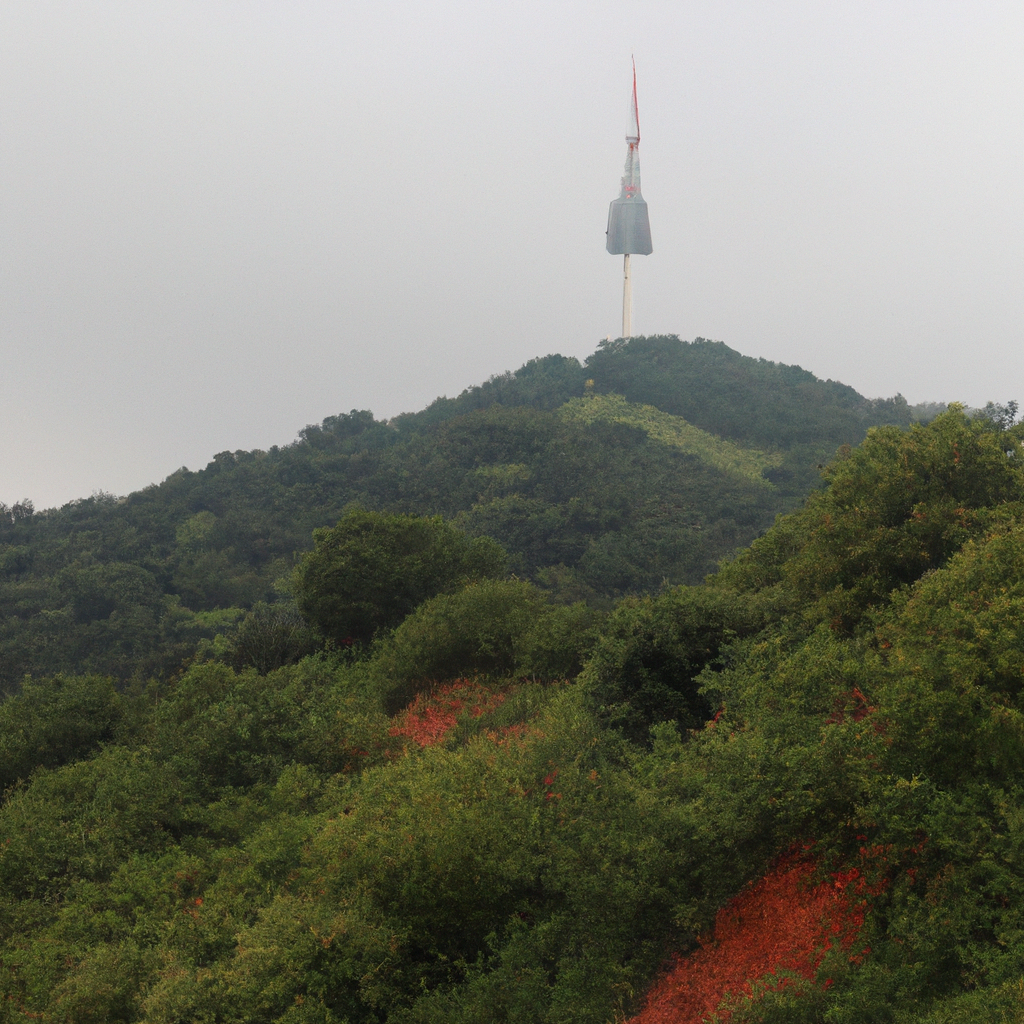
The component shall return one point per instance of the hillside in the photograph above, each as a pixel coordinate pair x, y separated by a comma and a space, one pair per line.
789, 794
641, 468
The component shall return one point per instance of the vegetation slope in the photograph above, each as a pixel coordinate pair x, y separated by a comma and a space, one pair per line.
498, 806
642, 467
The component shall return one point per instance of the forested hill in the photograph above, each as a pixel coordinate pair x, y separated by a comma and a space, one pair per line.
641, 467
712, 386
791, 794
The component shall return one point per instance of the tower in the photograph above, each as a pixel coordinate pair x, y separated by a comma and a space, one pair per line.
629, 227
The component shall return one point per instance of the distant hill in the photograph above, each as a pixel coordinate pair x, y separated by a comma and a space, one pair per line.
641, 467
763, 403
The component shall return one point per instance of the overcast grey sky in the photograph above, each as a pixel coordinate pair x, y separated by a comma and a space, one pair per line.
220, 221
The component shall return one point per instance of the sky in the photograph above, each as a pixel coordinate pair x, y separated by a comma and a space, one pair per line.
221, 221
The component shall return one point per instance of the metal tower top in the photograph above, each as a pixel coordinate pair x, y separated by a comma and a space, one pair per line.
629, 226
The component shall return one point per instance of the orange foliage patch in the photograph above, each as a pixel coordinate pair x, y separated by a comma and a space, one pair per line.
430, 717
778, 929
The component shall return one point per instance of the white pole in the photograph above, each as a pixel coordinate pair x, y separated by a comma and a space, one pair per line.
627, 300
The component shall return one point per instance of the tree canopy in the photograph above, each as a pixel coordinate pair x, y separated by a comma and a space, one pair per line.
371, 570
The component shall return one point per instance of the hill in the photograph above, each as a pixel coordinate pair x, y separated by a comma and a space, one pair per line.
789, 794
642, 467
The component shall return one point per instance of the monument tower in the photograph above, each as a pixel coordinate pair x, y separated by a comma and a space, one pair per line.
629, 227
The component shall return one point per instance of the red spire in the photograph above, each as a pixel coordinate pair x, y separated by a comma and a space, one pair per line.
634, 113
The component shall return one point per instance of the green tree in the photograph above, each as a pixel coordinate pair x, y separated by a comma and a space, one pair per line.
645, 665
53, 721
898, 506
272, 635
368, 572
497, 628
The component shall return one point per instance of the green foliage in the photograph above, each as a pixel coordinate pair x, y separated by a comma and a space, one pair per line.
429, 888
217, 728
605, 503
721, 391
77, 822
270, 636
1002, 417
752, 401
592, 506
956, 641
53, 721
896, 507
496, 628
368, 572
1001, 1004
674, 432
646, 664
544, 383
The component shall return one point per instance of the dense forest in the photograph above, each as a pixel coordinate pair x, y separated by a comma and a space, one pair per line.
500, 742
639, 469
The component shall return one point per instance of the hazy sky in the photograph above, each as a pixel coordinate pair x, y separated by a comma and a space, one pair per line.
220, 221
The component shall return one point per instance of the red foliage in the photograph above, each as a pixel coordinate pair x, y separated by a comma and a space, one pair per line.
549, 782
430, 717
192, 907
775, 931
855, 705
518, 733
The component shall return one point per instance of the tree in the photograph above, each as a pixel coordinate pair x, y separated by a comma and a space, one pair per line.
497, 628
896, 507
1002, 417
53, 721
367, 573
645, 665
272, 635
